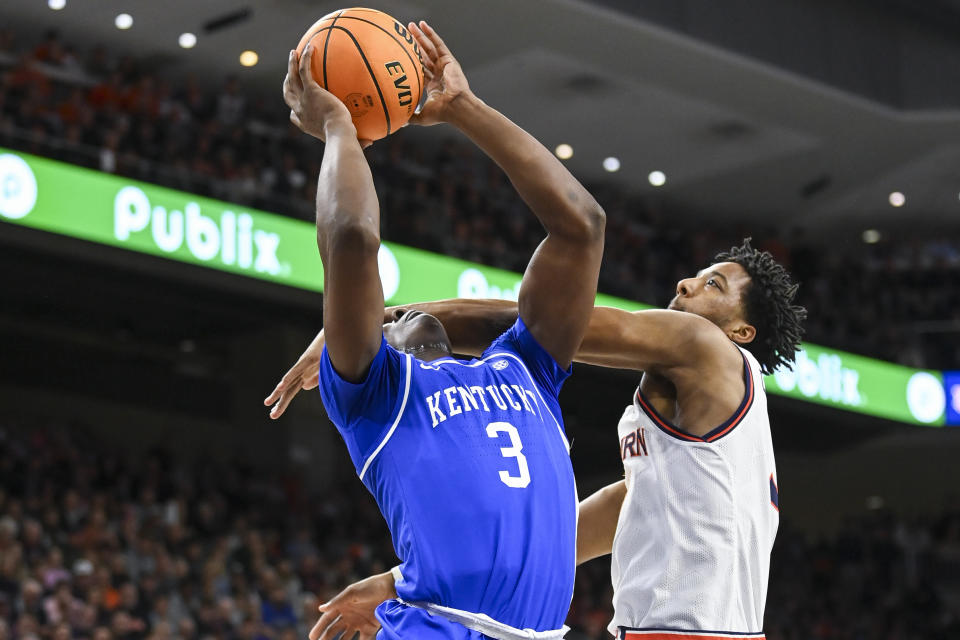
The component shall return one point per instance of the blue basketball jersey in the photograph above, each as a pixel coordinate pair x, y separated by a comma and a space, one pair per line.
470, 466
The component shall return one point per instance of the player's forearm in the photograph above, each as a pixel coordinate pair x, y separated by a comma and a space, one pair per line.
315, 348
614, 338
597, 523
347, 207
644, 340
559, 201
348, 236
603, 342
471, 324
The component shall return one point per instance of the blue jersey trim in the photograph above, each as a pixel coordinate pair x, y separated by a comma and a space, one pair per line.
393, 427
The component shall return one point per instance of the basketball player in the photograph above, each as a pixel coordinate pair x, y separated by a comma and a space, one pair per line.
692, 524
467, 460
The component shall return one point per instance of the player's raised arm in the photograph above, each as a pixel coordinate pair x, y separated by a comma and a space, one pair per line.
348, 224
560, 283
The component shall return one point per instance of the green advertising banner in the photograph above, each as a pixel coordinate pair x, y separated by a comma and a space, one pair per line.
852, 382
81, 203
90, 205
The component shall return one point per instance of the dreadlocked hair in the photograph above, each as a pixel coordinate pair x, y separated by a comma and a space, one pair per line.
768, 306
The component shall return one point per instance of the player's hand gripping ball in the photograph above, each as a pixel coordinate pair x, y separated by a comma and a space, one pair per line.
372, 63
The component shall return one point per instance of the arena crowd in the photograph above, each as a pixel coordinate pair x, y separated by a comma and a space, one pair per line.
897, 300
99, 544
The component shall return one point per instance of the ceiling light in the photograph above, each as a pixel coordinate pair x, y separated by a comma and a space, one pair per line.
657, 178
249, 58
123, 21
871, 236
897, 199
56, 5
187, 40
564, 151
611, 164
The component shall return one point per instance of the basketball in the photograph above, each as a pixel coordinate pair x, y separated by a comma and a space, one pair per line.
372, 63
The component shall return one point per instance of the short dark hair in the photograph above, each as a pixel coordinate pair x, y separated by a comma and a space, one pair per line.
768, 306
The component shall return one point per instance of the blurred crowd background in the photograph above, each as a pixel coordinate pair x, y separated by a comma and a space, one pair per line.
897, 299
96, 543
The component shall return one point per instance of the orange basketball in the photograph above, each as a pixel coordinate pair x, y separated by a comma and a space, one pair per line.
369, 60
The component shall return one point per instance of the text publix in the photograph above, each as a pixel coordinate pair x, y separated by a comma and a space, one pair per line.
232, 239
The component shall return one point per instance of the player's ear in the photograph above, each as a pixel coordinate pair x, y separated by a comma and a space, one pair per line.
742, 333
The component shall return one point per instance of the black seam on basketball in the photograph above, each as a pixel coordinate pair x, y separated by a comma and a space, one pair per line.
325, 43
415, 63
383, 103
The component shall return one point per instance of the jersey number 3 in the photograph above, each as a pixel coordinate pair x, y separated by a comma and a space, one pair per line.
494, 429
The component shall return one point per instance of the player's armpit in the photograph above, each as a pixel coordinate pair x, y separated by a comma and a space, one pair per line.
559, 288
597, 523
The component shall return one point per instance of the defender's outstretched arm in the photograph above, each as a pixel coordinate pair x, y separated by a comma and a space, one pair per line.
639, 340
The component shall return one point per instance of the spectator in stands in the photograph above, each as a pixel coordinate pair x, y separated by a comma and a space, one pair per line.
231, 103
898, 300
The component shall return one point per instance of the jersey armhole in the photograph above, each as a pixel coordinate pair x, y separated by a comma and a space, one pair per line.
393, 427
716, 433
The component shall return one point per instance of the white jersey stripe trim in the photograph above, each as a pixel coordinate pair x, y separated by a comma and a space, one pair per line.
403, 405
482, 623
536, 387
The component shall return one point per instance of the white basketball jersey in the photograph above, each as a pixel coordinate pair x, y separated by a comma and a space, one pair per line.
692, 546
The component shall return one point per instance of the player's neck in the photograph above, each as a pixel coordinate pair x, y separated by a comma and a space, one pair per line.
428, 352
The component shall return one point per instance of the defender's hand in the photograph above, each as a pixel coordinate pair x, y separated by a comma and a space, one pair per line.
351, 611
302, 375
445, 80
312, 108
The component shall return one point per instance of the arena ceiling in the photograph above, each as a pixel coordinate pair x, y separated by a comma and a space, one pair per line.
798, 113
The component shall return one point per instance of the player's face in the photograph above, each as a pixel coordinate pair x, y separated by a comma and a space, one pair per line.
412, 329
716, 293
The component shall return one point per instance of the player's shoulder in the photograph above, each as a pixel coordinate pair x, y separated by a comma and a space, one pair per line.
502, 361
708, 356
701, 343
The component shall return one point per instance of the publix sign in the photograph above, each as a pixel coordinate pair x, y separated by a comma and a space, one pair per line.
862, 384
825, 378
110, 210
228, 238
